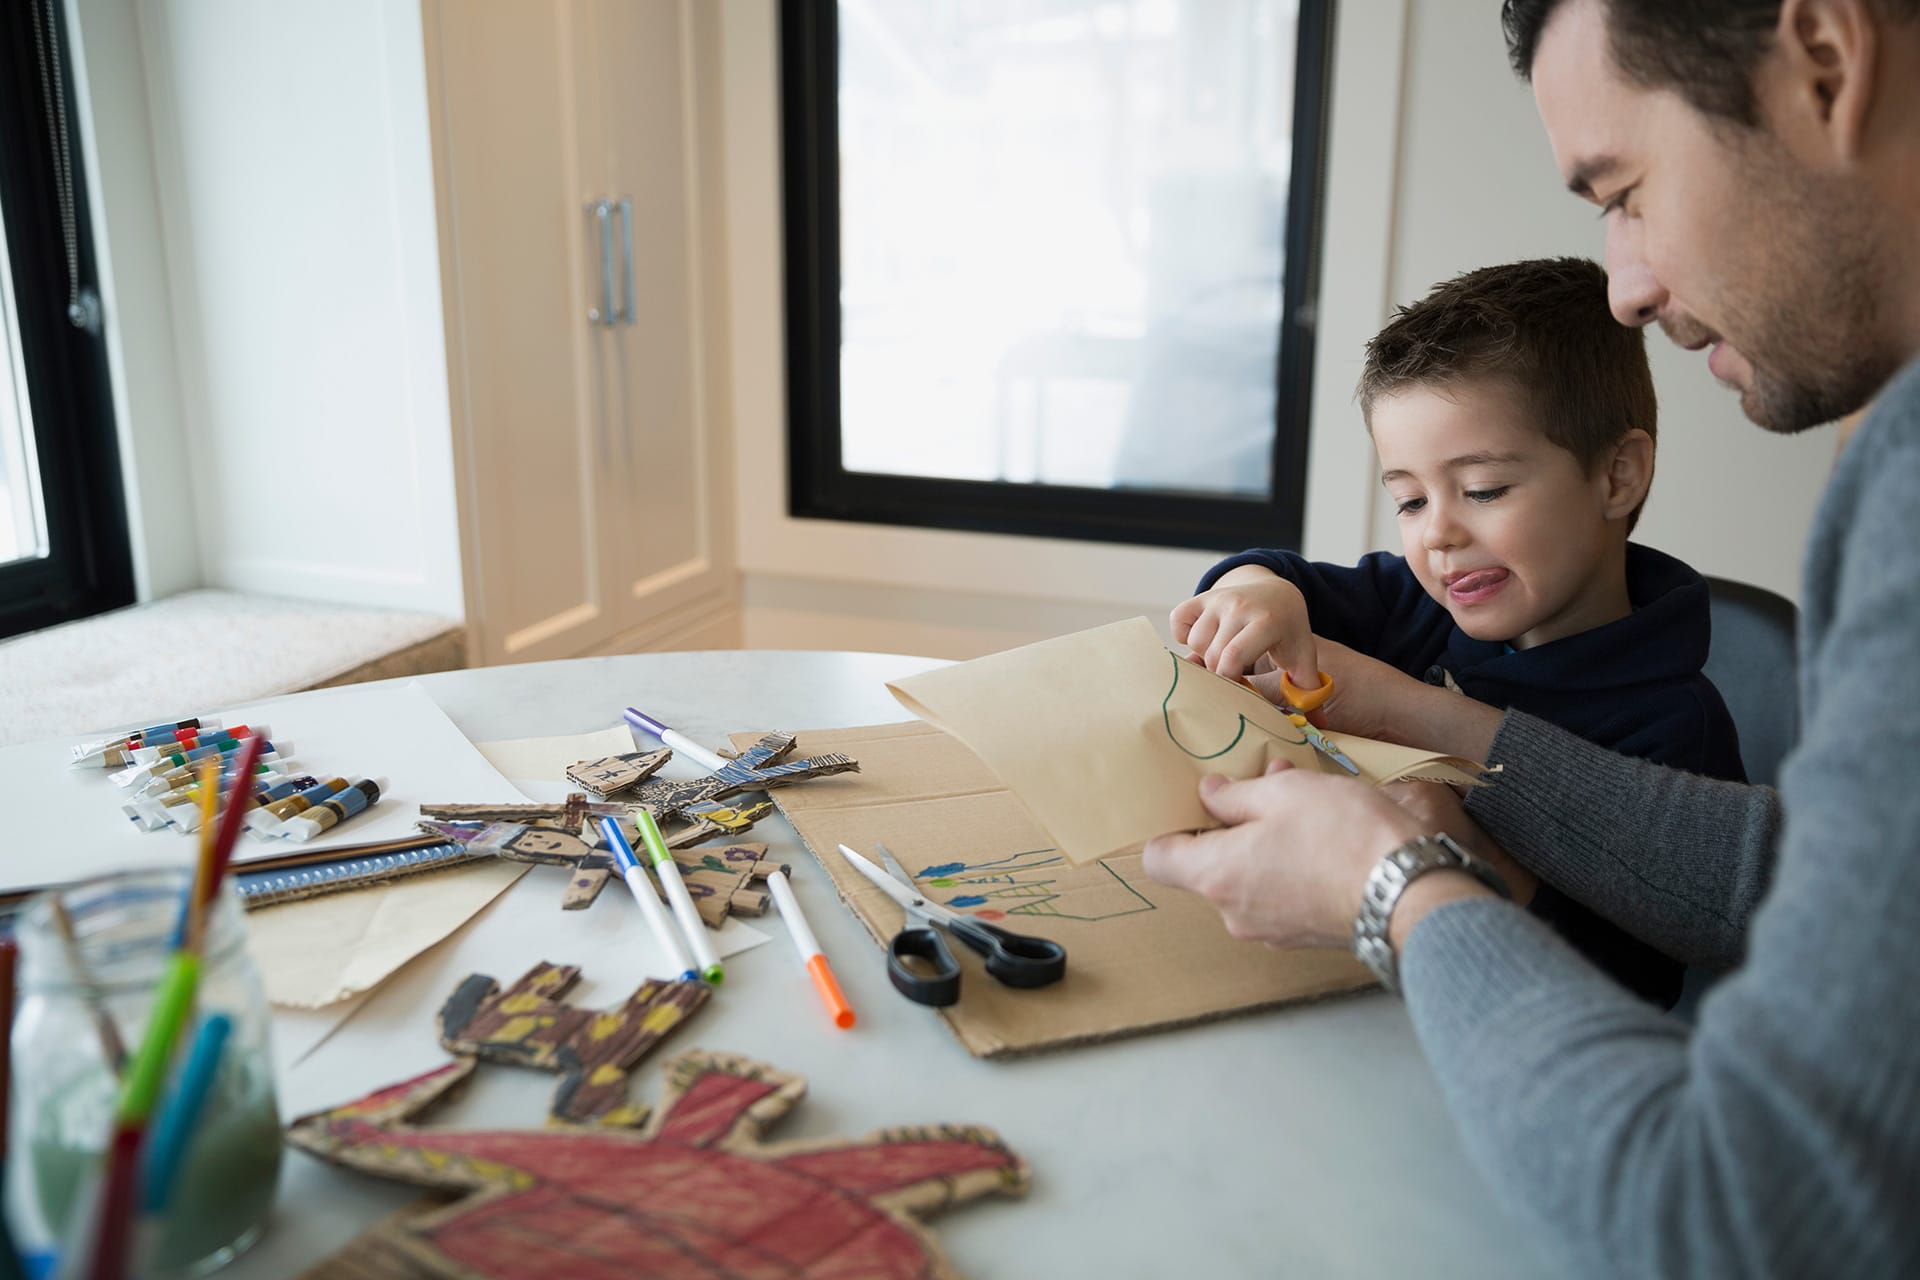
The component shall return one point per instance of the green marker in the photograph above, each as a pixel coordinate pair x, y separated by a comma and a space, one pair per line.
678, 898
148, 1070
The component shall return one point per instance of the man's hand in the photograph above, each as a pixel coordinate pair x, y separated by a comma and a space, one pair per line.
1437, 808
1288, 867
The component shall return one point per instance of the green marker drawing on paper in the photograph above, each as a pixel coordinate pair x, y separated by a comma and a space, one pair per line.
1166, 718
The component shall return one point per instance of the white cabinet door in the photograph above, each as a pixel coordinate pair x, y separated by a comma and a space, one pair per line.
590, 493
503, 100
661, 523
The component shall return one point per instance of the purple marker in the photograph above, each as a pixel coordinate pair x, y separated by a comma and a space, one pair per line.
678, 741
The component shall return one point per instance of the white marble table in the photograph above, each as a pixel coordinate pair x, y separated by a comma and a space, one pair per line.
1303, 1142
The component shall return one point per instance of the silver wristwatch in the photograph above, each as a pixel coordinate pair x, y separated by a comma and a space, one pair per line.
1390, 878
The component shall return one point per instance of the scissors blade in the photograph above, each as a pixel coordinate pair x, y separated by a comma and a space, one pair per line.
1318, 740
892, 864
900, 893
921, 903
1324, 745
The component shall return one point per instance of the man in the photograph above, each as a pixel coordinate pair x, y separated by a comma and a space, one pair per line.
1758, 162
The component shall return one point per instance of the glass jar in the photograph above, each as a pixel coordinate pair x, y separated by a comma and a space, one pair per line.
65, 1089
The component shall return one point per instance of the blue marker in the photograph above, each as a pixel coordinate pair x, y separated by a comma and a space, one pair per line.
173, 1130
677, 897
636, 878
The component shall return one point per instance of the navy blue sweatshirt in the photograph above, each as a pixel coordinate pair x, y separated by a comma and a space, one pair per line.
1634, 685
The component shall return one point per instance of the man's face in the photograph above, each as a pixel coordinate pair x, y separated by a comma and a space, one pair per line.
1718, 233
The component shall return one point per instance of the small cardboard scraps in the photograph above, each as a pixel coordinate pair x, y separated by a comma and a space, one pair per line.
1140, 956
530, 1025
610, 775
1104, 735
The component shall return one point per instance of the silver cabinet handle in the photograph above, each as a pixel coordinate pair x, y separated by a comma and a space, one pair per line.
602, 212
626, 260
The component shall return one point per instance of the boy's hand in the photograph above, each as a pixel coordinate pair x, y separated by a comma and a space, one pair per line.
1366, 691
1250, 614
1373, 700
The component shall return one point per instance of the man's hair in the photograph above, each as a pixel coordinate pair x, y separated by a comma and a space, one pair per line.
1703, 50
1541, 327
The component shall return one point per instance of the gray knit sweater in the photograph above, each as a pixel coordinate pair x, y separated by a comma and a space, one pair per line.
1780, 1136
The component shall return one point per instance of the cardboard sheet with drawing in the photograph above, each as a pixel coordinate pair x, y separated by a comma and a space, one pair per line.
1093, 720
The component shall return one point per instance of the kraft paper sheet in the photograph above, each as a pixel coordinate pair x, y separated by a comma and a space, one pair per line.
1103, 735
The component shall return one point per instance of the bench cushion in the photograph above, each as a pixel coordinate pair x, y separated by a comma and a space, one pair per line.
202, 650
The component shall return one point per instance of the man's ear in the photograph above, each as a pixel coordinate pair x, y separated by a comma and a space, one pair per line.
1628, 474
1819, 83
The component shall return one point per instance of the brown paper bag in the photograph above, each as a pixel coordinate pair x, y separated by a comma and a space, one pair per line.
1104, 735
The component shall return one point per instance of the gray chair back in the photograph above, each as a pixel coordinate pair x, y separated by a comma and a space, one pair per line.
1752, 662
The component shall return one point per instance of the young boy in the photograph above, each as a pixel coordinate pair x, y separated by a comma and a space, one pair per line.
1514, 419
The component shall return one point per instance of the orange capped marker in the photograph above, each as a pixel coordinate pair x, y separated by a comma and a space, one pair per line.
810, 954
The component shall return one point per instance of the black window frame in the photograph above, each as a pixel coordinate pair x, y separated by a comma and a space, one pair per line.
88, 568
818, 483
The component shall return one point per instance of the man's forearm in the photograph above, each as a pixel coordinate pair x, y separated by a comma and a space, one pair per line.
1678, 860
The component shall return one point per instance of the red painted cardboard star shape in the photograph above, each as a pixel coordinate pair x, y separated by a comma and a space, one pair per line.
696, 1193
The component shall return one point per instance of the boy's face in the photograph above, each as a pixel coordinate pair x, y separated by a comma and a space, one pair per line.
1500, 525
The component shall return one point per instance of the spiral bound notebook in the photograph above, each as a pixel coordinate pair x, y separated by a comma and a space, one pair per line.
290, 884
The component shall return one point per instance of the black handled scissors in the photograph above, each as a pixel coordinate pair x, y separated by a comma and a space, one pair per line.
921, 964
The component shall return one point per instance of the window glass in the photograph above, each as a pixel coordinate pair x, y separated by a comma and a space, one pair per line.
23, 520
1061, 239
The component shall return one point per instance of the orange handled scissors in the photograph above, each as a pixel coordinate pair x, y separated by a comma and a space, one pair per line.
1296, 702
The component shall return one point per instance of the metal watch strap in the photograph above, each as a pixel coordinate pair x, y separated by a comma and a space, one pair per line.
1390, 878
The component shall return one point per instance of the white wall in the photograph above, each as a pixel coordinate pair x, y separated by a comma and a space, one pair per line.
293, 170
1438, 164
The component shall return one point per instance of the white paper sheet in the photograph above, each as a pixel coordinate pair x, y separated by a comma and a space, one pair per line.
65, 824
546, 759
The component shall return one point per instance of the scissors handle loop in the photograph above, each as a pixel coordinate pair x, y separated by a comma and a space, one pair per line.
922, 967
1016, 959
1306, 699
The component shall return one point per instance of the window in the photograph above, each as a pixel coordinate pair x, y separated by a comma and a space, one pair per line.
1051, 263
64, 550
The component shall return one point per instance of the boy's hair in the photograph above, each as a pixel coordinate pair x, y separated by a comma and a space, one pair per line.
1542, 327
1704, 50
